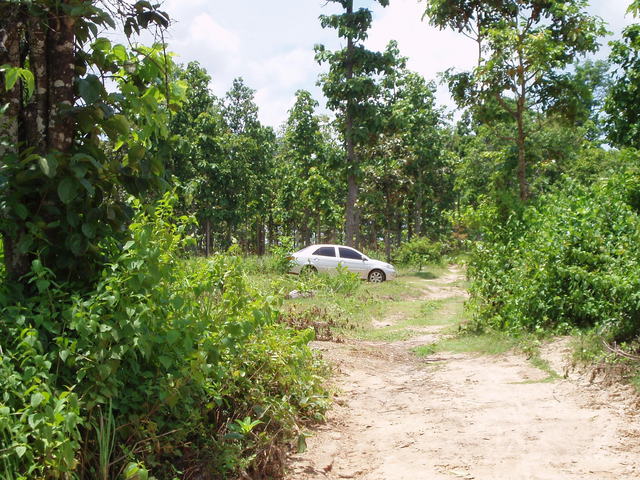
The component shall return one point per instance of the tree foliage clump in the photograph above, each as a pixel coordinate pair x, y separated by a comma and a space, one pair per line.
521, 47
569, 261
623, 121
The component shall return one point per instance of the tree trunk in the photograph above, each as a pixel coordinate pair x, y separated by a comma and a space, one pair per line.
37, 110
16, 263
207, 238
399, 230
387, 226
520, 112
259, 237
352, 217
61, 75
522, 164
417, 210
11, 57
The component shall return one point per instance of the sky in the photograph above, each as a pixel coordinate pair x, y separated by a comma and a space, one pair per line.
270, 43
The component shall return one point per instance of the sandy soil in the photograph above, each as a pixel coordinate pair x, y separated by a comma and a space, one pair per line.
466, 416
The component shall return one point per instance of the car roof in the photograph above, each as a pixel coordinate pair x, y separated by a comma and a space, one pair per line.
319, 245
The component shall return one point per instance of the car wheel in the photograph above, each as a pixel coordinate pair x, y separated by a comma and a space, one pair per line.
377, 276
308, 270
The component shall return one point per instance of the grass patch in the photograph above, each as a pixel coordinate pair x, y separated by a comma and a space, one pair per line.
407, 319
354, 311
485, 343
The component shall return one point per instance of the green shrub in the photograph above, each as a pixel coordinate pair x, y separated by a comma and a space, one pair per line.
277, 261
189, 365
342, 281
571, 261
418, 252
281, 255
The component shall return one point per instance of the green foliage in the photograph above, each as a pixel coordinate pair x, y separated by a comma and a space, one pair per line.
418, 252
571, 261
60, 207
342, 281
521, 47
623, 120
281, 255
13, 74
162, 352
307, 180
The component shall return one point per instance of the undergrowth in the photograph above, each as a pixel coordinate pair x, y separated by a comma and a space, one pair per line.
166, 369
569, 261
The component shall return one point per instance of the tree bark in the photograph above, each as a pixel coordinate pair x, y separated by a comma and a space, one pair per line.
207, 238
11, 57
352, 217
417, 209
521, 138
260, 237
61, 77
16, 263
37, 110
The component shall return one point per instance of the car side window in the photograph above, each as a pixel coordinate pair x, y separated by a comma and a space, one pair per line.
325, 252
351, 254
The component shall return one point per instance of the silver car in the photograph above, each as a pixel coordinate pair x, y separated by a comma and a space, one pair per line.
326, 258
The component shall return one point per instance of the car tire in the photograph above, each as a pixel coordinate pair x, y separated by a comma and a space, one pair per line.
376, 276
308, 270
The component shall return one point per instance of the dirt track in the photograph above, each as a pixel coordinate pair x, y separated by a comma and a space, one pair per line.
465, 416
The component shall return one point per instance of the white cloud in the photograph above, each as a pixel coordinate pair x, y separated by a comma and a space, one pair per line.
270, 44
430, 51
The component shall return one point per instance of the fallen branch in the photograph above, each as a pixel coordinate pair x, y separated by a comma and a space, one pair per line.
615, 349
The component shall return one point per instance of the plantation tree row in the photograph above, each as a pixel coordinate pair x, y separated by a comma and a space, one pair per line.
391, 166
120, 357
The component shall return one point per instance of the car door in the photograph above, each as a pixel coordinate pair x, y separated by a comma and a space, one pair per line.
324, 259
353, 260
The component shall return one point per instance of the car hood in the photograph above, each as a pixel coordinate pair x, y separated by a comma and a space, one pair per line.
380, 264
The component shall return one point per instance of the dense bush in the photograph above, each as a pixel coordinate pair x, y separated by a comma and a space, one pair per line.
342, 281
175, 367
571, 261
418, 252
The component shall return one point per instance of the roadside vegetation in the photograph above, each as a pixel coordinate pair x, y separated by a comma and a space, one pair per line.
148, 327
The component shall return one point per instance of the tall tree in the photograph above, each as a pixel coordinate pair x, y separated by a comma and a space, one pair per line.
351, 89
62, 181
306, 191
198, 158
523, 41
622, 108
250, 147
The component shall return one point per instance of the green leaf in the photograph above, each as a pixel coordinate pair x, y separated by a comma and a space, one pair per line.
120, 52
21, 450
48, 166
67, 190
25, 243
89, 230
21, 210
117, 124
11, 76
36, 399
302, 443
77, 244
135, 154
90, 89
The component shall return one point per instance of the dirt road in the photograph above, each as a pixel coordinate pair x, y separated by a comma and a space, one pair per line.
465, 416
